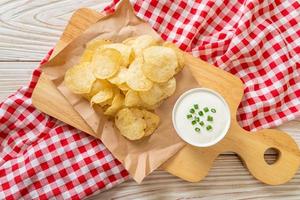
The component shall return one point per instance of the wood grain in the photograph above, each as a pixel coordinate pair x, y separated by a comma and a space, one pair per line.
29, 29
13, 75
228, 179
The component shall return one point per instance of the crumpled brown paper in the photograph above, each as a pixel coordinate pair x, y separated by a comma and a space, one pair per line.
140, 158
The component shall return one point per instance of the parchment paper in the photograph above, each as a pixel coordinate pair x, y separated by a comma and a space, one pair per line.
140, 158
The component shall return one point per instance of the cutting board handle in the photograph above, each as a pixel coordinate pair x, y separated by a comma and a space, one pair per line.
254, 146
193, 163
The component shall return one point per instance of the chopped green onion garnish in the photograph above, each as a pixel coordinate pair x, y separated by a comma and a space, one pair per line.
213, 110
197, 129
189, 116
192, 110
194, 122
201, 123
206, 109
196, 106
200, 113
197, 119
209, 127
210, 118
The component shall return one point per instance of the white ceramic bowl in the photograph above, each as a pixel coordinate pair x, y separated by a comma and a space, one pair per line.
204, 98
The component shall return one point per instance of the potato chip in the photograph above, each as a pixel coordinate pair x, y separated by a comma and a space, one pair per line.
160, 63
106, 63
116, 104
157, 93
120, 77
102, 96
126, 52
135, 131
96, 43
130, 124
168, 87
151, 107
124, 87
88, 53
136, 79
132, 99
142, 42
106, 103
96, 87
79, 79
179, 54
152, 96
87, 56
127, 80
152, 121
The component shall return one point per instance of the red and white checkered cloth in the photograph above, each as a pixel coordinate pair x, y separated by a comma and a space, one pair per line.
43, 158
259, 41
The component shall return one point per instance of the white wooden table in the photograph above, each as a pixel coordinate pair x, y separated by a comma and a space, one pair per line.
28, 29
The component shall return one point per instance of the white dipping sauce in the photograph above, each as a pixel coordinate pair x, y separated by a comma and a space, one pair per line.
204, 98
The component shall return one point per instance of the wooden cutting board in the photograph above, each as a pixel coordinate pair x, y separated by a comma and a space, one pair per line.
191, 163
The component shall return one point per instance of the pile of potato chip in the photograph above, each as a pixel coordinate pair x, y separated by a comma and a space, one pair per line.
127, 80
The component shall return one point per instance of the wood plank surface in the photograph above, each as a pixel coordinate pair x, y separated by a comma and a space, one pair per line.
13, 75
28, 29
228, 180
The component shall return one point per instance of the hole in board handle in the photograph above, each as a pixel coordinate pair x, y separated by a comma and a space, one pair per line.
271, 155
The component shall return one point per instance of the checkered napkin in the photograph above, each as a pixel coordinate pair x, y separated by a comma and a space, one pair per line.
43, 158
258, 41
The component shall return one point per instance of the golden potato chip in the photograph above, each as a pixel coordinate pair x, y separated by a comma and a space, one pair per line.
152, 121
126, 52
106, 63
168, 87
124, 118
87, 56
79, 79
142, 42
179, 54
132, 99
120, 77
96, 87
130, 124
152, 96
106, 103
136, 79
88, 53
151, 107
124, 87
116, 104
102, 96
96, 43
134, 131
159, 63
159, 91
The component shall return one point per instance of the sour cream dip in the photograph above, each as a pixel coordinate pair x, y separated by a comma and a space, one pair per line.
201, 117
